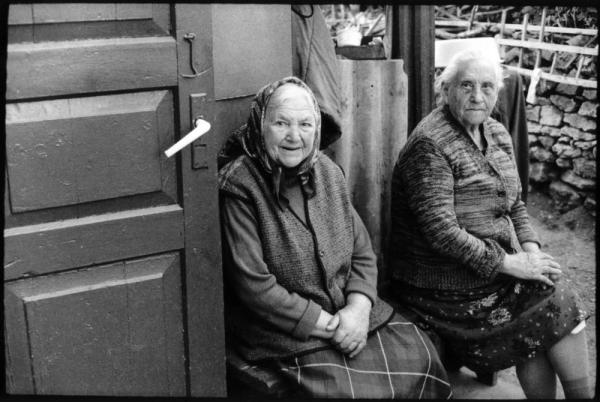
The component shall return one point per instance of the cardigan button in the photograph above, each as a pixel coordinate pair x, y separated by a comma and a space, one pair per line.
321, 253
501, 193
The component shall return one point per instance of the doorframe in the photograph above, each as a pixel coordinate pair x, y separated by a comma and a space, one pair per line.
203, 287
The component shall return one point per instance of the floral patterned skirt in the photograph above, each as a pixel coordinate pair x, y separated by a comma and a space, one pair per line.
497, 326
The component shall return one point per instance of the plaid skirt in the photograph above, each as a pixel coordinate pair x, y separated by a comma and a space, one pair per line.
399, 361
497, 326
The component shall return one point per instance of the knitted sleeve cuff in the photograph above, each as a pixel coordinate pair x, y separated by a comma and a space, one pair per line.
496, 268
492, 261
529, 237
308, 321
361, 286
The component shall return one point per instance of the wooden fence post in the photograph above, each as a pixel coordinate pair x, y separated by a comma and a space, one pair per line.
413, 40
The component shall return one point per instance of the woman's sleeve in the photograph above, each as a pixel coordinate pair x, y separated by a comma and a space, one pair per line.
520, 219
363, 272
251, 280
430, 190
518, 212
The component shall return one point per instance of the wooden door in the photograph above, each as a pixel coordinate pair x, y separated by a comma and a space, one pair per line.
103, 256
112, 267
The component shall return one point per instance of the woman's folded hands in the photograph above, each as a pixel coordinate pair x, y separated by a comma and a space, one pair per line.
351, 325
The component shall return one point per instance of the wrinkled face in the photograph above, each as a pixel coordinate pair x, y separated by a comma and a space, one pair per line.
289, 126
473, 93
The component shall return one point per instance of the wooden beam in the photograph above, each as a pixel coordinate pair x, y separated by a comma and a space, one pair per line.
538, 56
549, 46
557, 78
413, 40
74, 243
518, 27
89, 66
523, 37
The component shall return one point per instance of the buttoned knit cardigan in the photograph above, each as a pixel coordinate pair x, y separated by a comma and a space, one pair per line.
456, 210
313, 260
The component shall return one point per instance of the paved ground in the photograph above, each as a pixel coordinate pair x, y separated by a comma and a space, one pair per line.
465, 386
570, 238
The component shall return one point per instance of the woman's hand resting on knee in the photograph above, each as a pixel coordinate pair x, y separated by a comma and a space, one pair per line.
532, 264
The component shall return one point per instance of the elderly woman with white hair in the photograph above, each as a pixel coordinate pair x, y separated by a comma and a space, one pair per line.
465, 258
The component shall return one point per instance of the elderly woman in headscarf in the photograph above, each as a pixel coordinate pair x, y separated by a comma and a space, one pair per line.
300, 272
466, 259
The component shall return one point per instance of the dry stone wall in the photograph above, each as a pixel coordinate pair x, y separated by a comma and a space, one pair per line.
562, 145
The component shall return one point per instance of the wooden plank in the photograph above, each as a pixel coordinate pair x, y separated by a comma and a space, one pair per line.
73, 243
68, 12
19, 378
124, 317
374, 99
165, 126
161, 15
133, 11
538, 56
203, 273
518, 27
171, 322
155, 306
70, 31
548, 46
70, 151
361, 52
557, 78
523, 37
242, 31
76, 67
20, 14
79, 210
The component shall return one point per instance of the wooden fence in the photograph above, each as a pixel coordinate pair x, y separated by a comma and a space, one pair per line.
579, 53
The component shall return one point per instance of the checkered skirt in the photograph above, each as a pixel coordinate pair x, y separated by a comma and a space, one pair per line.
398, 362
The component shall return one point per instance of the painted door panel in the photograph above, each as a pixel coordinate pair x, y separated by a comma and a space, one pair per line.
106, 330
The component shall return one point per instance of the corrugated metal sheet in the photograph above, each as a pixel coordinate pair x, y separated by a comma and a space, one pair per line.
374, 128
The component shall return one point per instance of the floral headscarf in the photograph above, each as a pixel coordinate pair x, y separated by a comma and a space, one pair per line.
253, 142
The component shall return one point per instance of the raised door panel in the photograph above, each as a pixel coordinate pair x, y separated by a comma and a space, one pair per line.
108, 330
69, 151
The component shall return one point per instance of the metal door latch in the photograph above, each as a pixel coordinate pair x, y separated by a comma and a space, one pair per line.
190, 38
200, 128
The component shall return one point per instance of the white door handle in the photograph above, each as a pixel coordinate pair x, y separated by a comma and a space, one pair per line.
201, 127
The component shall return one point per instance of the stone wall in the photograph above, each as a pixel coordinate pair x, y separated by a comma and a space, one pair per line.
562, 145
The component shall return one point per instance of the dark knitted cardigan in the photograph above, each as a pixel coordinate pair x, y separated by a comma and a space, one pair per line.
456, 210
314, 262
